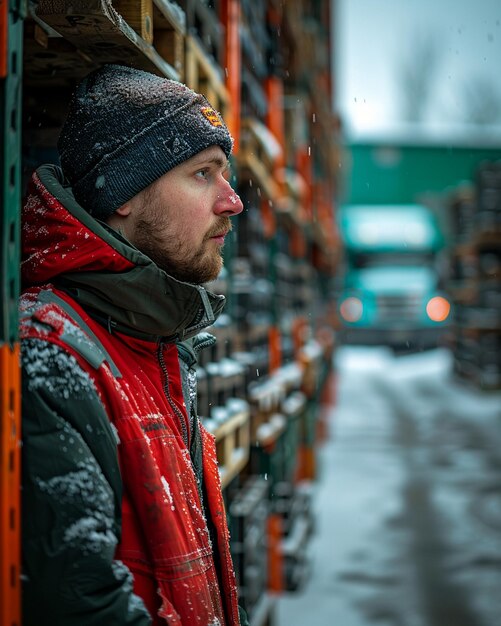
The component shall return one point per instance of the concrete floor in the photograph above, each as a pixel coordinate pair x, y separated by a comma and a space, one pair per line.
408, 500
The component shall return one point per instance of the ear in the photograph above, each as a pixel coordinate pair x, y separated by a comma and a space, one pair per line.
124, 210
120, 217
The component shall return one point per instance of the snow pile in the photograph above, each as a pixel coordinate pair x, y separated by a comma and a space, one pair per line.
48, 366
85, 490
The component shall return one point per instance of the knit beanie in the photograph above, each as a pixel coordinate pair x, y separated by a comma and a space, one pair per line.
125, 128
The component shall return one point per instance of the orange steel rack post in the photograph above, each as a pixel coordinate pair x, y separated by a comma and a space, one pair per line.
11, 29
10, 594
230, 17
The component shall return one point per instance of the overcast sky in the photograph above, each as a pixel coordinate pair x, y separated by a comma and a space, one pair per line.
446, 53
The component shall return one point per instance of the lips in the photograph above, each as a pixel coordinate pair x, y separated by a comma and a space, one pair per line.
219, 238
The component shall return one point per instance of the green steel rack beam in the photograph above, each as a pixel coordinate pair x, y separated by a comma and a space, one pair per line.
10, 167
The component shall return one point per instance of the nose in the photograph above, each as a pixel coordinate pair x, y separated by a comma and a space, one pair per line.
228, 201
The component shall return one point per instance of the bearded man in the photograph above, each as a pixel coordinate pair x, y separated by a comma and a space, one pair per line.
123, 515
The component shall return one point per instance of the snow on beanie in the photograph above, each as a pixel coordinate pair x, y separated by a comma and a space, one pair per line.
125, 128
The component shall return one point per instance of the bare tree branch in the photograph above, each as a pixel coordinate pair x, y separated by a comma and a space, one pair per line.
481, 101
417, 73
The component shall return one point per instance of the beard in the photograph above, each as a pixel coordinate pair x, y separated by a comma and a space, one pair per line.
173, 254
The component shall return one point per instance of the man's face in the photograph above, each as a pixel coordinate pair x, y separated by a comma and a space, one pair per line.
180, 221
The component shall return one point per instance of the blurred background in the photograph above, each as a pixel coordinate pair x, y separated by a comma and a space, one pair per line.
409, 504
355, 391
417, 92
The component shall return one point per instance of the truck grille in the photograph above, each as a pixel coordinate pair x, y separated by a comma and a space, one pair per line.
398, 308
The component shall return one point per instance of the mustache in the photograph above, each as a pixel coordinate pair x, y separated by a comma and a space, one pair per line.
222, 226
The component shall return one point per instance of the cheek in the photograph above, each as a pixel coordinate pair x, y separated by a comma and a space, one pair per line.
189, 228
187, 215
196, 215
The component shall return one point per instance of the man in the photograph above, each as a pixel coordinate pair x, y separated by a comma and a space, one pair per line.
124, 521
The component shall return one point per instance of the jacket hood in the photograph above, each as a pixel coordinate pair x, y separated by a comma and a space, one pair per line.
106, 274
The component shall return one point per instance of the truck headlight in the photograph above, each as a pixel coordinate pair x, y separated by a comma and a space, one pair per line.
351, 309
438, 309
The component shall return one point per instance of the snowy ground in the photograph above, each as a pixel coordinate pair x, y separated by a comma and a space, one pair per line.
408, 500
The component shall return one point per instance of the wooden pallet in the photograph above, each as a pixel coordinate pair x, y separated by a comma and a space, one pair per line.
298, 530
264, 614
232, 442
259, 155
265, 399
203, 75
311, 356
169, 31
248, 513
268, 432
274, 401
64, 41
139, 15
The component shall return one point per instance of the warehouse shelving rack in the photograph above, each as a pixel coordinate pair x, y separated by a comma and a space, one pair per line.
474, 283
260, 386
11, 46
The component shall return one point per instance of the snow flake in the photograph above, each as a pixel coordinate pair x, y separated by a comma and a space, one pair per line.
100, 182
167, 490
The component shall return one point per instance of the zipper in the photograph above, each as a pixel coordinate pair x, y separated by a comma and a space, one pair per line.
175, 408
206, 340
189, 353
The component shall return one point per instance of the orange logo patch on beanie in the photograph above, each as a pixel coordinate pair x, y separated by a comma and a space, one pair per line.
211, 116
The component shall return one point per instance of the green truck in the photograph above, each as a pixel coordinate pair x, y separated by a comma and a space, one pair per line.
390, 289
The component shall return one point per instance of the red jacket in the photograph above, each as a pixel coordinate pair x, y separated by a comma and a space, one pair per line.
174, 535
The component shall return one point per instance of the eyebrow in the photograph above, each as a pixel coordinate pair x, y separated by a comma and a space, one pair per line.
220, 162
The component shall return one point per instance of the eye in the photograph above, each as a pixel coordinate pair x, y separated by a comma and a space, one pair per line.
203, 173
